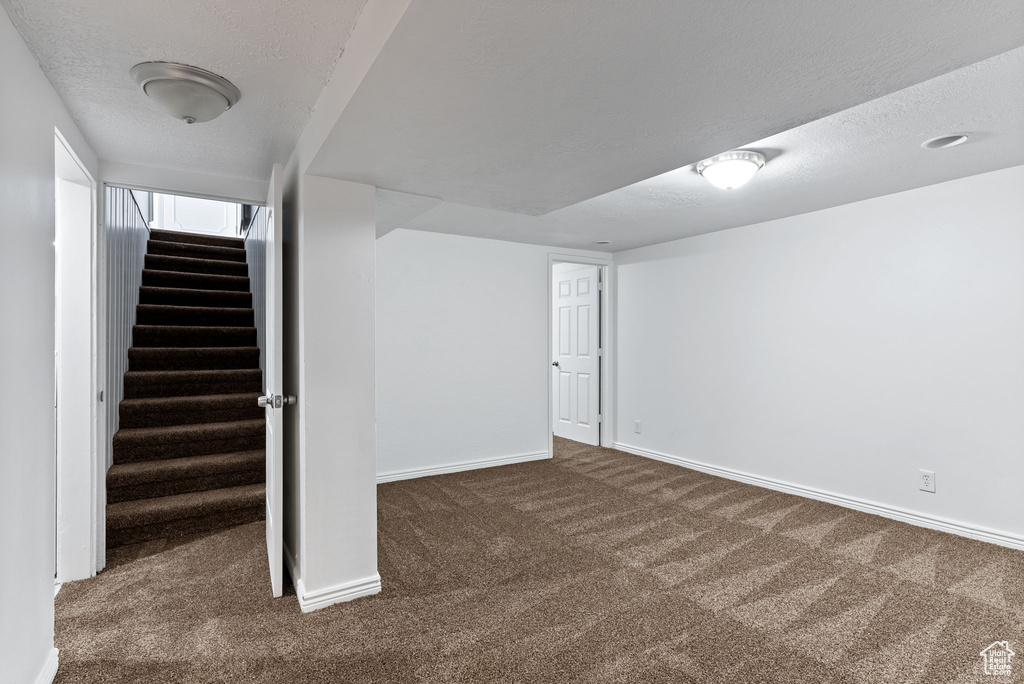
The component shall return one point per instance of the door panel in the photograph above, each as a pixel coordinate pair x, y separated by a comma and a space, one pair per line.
576, 320
273, 383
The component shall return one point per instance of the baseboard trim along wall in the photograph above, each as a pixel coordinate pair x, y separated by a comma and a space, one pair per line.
459, 467
895, 513
315, 600
49, 671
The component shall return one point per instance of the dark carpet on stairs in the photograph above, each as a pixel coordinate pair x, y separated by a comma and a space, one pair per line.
189, 452
596, 566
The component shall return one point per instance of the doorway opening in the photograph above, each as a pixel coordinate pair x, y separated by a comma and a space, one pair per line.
579, 326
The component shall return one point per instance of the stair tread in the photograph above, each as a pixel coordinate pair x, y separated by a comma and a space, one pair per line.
193, 351
189, 275
177, 433
175, 263
195, 238
183, 375
201, 251
180, 506
194, 294
122, 474
157, 402
183, 308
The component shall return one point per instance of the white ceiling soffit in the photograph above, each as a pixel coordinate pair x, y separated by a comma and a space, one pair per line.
396, 209
279, 54
870, 150
533, 106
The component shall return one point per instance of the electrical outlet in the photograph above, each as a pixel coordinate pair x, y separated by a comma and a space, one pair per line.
636, 426
927, 481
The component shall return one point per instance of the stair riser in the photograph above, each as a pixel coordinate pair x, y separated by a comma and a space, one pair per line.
183, 249
185, 297
138, 360
193, 239
186, 415
159, 262
197, 281
197, 336
149, 490
187, 526
200, 316
151, 452
185, 389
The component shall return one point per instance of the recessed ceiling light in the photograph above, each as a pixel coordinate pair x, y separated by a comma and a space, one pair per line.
944, 141
602, 242
187, 93
732, 169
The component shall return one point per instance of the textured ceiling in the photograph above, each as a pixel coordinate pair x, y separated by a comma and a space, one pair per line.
279, 54
866, 151
529, 107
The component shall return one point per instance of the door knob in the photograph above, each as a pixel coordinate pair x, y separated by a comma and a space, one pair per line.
555, 363
275, 401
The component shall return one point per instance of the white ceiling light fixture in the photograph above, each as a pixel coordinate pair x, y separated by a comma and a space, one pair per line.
731, 169
187, 93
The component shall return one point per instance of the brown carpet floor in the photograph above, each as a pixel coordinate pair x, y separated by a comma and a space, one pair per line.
597, 566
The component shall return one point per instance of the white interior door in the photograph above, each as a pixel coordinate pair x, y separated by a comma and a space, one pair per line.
576, 385
273, 384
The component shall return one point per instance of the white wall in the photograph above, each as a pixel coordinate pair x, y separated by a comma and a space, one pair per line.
462, 352
29, 112
842, 350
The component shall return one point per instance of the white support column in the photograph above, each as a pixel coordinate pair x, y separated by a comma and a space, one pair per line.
337, 447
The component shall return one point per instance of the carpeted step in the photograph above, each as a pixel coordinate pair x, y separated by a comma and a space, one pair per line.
189, 410
192, 358
164, 314
180, 296
160, 262
184, 249
192, 336
150, 479
196, 281
142, 384
152, 443
170, 516
196, 239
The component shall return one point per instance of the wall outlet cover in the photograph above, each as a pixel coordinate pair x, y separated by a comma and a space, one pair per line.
927, 481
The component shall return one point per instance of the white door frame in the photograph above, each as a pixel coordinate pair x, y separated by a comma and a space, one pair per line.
607, 404
80, 549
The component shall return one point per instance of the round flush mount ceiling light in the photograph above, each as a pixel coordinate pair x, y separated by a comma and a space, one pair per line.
187, 93
602, 242
944, 141
731, 169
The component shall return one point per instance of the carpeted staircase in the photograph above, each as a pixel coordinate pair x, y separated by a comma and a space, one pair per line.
189, 454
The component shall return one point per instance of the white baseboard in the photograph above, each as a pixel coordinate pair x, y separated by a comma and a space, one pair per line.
49, 671
962, 529
459, 467
315, 600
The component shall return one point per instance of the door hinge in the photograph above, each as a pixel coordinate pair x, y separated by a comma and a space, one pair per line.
599, 417
101, 396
